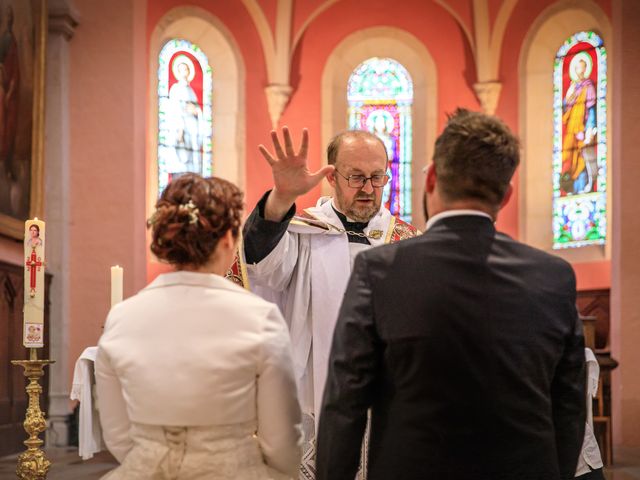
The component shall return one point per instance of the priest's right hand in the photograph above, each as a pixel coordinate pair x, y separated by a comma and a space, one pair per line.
291, 175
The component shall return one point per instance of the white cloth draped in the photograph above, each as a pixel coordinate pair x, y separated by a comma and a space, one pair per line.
83, 389
590, 455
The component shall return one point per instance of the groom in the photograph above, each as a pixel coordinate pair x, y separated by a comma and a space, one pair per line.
465, 343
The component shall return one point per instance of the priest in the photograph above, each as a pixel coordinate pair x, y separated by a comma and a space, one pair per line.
302, 261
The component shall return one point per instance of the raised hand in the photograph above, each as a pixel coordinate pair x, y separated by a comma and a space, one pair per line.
291, 175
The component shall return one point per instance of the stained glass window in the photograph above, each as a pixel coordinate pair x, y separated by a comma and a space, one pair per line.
580, 142
380, 94
184, 111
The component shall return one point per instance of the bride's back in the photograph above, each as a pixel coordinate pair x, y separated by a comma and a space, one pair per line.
188, 350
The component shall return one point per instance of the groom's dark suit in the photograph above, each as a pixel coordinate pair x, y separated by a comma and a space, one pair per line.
468, 348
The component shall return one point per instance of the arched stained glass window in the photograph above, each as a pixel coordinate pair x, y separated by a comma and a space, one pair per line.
380, 94
580, 142
184, 111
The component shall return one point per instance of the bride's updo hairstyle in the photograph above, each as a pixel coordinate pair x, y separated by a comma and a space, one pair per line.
191, 216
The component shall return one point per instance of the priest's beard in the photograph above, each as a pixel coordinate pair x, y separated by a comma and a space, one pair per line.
355, 210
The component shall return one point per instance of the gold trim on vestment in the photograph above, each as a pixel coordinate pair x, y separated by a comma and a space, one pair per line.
316, 222
392, 225
240, 276
311, 223
243, 265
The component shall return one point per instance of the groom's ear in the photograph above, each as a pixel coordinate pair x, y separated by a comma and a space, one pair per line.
507, 196
431, 179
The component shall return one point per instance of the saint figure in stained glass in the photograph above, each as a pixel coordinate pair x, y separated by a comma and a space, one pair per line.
580, 148
579, 122
184, 111
186, 116
382, 123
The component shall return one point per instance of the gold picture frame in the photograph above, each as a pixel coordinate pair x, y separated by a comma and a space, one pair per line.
23, 34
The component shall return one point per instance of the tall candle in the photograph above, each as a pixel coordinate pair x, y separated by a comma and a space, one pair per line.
116, 284
33, 320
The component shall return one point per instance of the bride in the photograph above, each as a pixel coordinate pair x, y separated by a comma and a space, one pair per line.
194, 374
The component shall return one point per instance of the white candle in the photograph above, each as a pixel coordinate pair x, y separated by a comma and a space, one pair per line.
33, 320
116, 284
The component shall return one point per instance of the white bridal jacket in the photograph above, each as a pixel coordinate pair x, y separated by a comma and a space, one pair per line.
195, 376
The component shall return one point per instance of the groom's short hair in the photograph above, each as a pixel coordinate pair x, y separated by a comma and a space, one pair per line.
475, 157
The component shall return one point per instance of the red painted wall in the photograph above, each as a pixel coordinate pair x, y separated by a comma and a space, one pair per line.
106, 157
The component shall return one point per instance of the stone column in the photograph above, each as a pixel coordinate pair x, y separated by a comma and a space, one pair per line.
625, 264
63, 20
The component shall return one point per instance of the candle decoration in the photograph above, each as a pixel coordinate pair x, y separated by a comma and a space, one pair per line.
33, 463
116, 284
33, 320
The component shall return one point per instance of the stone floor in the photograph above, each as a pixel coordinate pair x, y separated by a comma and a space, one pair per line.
66, 465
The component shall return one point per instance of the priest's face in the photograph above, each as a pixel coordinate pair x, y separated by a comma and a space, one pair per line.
358, 156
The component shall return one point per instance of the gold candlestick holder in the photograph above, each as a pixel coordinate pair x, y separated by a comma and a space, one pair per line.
33, 463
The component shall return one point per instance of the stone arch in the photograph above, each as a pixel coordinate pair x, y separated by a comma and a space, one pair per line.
211, 35
549, 31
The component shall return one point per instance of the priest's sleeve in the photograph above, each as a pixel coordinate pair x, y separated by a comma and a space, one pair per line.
279, 417
568, 393
270, 251
261, 236
353, 366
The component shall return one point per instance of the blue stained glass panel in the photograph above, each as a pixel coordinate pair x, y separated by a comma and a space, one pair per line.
380, 96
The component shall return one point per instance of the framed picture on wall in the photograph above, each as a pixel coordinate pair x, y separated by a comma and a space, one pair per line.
22, 57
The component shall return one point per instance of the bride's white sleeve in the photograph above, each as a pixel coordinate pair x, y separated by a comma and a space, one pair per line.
112, 408
279, 417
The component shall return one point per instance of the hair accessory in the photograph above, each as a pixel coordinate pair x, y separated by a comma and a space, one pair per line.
152, 219
192, 210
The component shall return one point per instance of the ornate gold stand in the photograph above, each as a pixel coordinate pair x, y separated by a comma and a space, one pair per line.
32, 463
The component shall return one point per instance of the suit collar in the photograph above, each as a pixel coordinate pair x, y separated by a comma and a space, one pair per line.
455, 213
462, 222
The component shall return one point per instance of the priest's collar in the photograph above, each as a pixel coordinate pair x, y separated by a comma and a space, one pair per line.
359, 226
351, 226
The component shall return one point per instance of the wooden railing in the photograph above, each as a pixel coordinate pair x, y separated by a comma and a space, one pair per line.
593, 306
